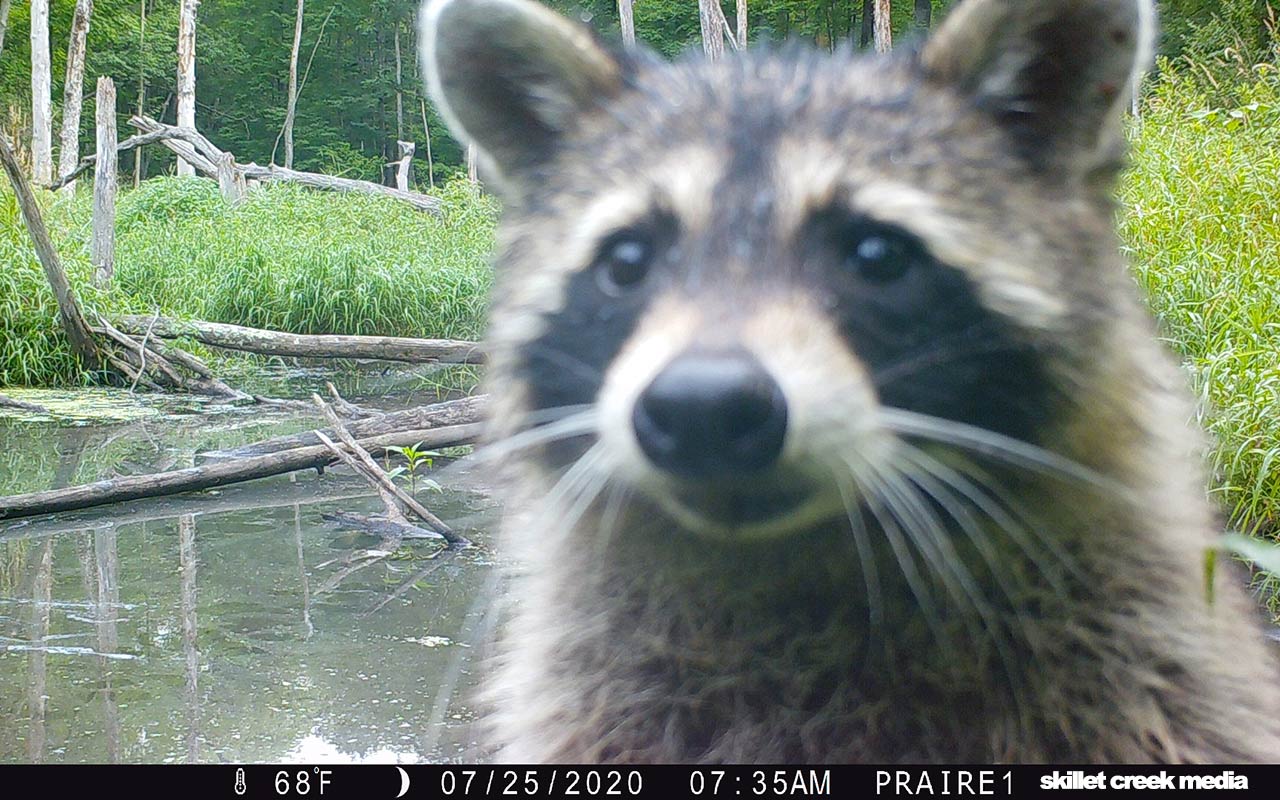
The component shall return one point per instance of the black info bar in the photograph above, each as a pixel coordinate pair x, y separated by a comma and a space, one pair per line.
391, 782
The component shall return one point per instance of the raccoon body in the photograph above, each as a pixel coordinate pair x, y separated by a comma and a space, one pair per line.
835, 428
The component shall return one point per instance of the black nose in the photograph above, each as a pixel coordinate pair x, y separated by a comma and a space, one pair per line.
711, 415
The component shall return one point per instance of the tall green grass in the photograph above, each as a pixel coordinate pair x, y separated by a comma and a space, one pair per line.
1202, 217
286, 259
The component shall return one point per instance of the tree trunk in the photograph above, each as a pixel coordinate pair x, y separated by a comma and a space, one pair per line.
868, 23
712, 34
41, 97
292, 108
82, 343
883, 33
102, 252
924, 14
402, 166
627, 20
742, 24
473, 174
399, 87
4, 21
426, 135
231, 183
187, 73
73, 93
142, 85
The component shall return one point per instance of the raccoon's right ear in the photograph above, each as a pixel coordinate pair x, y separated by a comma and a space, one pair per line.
1054, 73
512, 77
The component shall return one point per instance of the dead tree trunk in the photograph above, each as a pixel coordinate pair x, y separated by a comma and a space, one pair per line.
187, 73
399, 86
627, 20
742, 24
230, 181
4, 21
195, 149
426, 135
82, 343
142, 85
298, 345
73, 92
473, 174
422, 202
41, 97
402, 165
451, 413
103, 250
292, 107
883, 31
709, 16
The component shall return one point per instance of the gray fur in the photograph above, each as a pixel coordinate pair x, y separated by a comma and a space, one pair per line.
631, 637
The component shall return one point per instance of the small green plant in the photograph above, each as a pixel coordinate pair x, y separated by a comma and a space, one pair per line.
415, 459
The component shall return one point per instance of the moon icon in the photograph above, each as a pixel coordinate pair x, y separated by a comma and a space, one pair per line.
404, 781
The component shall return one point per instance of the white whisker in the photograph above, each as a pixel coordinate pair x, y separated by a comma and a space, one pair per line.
980, 440
576, 423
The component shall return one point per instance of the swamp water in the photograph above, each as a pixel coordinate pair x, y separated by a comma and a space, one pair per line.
228, 625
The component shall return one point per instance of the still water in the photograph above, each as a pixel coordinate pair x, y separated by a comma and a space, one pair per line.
230, 625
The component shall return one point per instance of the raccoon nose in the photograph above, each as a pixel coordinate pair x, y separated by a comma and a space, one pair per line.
711, 415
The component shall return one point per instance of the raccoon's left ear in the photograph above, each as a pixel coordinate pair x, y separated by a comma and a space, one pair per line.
1054, 73
512, 77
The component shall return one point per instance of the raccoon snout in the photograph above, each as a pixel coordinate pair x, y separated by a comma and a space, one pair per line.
712, 415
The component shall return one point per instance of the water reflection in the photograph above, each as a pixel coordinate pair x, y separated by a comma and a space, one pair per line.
230, 626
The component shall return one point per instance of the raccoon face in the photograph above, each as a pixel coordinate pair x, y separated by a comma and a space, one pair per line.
751, 290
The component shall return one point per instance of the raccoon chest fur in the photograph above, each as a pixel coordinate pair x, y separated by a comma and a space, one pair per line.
830, 424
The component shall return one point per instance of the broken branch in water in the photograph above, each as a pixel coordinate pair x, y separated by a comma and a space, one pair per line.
371, 470
394, 518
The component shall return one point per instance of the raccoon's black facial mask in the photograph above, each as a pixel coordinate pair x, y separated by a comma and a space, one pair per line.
565, 366
930, 344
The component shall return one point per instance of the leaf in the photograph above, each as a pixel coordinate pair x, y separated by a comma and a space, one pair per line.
1264, 555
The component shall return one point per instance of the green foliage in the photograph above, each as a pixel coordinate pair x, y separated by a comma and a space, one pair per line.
287, 259
1202, 226
415, 459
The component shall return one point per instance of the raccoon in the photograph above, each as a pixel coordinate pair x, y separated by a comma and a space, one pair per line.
834, 427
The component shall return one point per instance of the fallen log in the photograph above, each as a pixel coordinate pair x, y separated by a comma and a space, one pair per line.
200, 153
123, 147
276, 343
136, 487
422, 202
464, 411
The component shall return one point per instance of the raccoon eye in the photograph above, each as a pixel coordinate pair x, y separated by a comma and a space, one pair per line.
880, 256
623, 263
